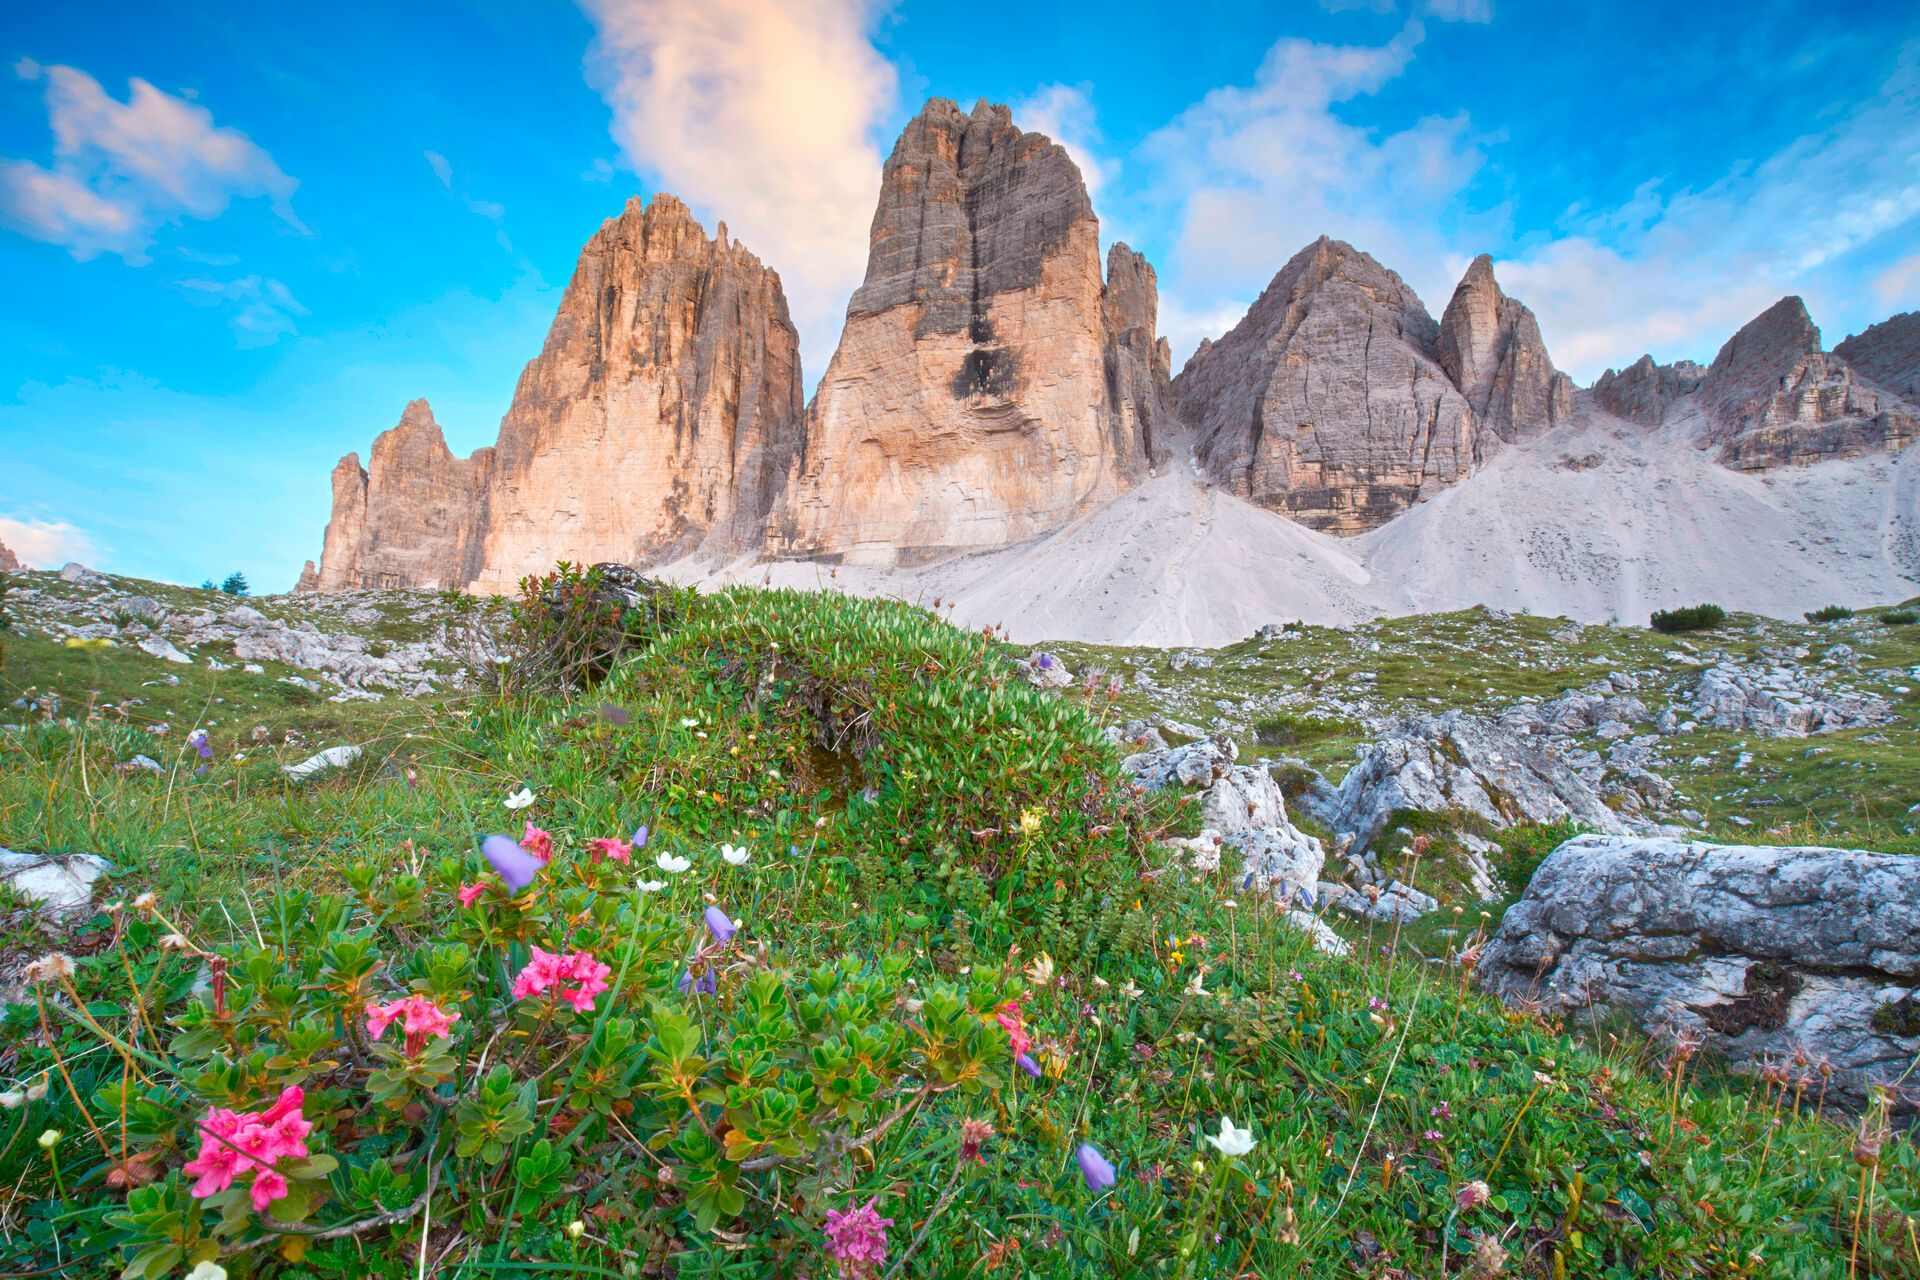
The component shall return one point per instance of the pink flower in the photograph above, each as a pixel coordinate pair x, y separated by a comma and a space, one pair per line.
233, 1143
471, 893
857, 1239
1011, 1018
576, 978
267, 1187
610, 846
422, 1020
538, 843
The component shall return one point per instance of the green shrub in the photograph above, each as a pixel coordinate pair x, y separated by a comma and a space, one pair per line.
1699, 617
1900, 617
1830, 613
569, 628
1292, 729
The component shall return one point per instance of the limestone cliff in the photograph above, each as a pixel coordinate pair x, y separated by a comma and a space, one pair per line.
1772, 398
1139, 361
660, 415
969, 402
1644, 391
1327, 402
9, 563
1490, 346
1889, 354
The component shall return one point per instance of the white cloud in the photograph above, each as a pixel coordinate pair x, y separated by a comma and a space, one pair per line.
1257, 172
1459, 10
45, 544
491, 210
1899, 284
1064, 112
263, 310
122, 168
762, 113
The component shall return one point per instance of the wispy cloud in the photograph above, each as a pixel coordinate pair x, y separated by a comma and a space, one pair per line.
491, 210
45, 544
120, 169
763, 113
263, 309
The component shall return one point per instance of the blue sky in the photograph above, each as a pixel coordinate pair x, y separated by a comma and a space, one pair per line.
237, 239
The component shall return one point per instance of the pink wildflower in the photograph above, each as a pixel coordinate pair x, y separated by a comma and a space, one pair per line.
857, 1240
538, 843
233, 1143
1010, 1018
471, 893
420, 1018
610, 846
575, 979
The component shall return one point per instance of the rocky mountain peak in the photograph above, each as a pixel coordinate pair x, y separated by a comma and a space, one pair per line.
1889, 354
968, 403
9, 563
1644, 391
1772, 397
1490, 346
1327, 402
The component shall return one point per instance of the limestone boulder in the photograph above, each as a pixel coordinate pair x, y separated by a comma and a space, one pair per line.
1327, 402
1773, 398
1766, 955
1779, 701
1490, 345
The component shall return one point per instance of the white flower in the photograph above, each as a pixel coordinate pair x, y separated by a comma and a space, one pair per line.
208, 1271
1194, 988
688, 723
1232, 1141
672, 864
651, 886
519, 799
736, 855
49, 1139
1132, 990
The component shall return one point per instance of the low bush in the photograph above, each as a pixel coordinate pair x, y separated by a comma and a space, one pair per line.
1830, 613
1292, 729
1900, 617
1699, 617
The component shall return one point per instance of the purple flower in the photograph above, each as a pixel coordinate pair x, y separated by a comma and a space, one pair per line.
719, 926
640, 834
514, 864
1095, 1168
198, 741
703, 983
1027, 1064
1043, 660
857, 1239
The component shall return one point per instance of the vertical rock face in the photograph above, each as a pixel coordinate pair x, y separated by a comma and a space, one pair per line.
1327, 402
1889, 354
1773, 398
9, 563
410, 518
1139, 362
1644, 391
661, 413
968, 402
1490, 346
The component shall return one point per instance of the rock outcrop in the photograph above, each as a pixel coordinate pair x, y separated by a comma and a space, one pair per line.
968, 404
1889, 354
1773, 398
9, 563
1139, 361
662, 412
1490, 346
1644, 391
1779, 701
409, 519
1327, 402
1766, 955
660, 416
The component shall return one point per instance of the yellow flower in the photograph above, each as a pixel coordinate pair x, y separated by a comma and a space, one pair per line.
1029, 821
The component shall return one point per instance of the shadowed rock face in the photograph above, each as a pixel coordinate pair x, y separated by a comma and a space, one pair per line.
1327, 402
1139, 362
976, 396
1773, 398
661, 415
1889, 354
1644, 391
1490, 346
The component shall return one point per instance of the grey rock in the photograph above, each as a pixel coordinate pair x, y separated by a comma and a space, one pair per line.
1888, 353
1196, 764
1395, 903
61, 886
1490, 345
1644, 391
1759, 952
1779, 701
323, 762
161, 647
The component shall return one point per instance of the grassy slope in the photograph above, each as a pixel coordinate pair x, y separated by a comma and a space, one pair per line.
1376, 1086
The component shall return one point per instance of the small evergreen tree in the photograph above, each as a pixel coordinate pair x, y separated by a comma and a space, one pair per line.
236, 584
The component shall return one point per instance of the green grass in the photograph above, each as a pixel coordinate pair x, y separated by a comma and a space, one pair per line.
916, 809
